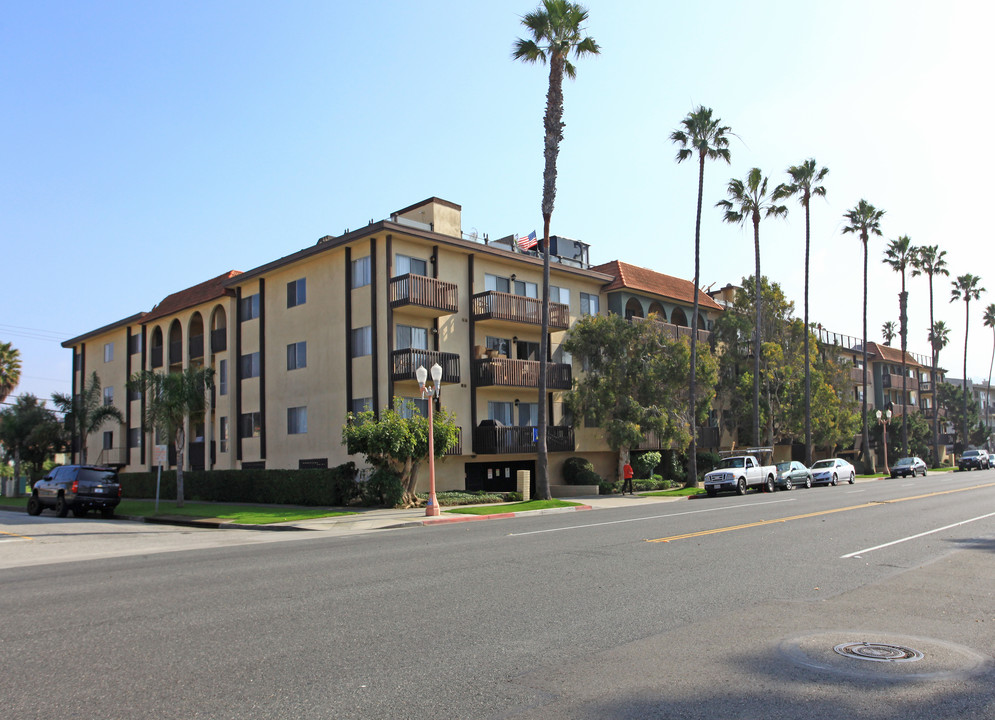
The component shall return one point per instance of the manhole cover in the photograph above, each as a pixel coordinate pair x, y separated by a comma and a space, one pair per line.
878, 652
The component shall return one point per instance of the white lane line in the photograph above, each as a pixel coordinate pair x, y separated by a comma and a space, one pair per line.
852, 492
907, 484
913, 537
651, 517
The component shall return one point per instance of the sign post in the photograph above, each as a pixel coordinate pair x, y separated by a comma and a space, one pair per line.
160, 456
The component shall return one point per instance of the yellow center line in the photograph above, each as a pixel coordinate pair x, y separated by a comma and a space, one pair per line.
9, 534
761, 523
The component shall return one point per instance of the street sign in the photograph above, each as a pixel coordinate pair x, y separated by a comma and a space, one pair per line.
160, 455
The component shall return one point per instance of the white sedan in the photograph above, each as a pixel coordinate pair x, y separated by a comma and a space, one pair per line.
831, 471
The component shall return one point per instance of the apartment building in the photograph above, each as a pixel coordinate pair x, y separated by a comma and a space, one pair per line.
344, 324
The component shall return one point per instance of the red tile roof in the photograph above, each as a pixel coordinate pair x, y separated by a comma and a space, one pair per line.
634, 277
886, 353
204, 292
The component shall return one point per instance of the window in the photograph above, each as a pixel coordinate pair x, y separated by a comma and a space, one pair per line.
361, 272
413, 406
134, 437
405, 264
223, 377
108, 352
493, 283
501, 345
249, 307
589, 304
134, 344
359, 405
134, 394
108, 440
296, 292
250, 425
109, 395
249, 365
559, 295
500, 411
528, 414
223, 434
296, 355
362, 341
408, 336
526, 289
296, 420
526, 350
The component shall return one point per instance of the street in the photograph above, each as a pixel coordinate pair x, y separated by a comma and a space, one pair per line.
725, 607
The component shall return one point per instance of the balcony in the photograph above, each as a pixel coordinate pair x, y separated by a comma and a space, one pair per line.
674, 331
219, 340
113, 457
857, 375
196, 346
707, 439
404, 363
433, 297
175, 353
457, 449
504, 307
891, 380
502, 372
930, 413
926, 387
156, 356
497, 440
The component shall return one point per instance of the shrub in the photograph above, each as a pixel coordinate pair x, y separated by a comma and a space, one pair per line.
383, 488
607, 487
449, 498
643, 465
513, 497
573, 467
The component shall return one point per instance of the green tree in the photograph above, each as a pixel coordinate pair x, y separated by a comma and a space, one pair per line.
805, 179
29, 433
85, 412
900, 255
990, 322
748, 201
930, 262
963, 412
864, 220
706, 137
557, 30
888, 331
10, 369
170, 399
399, 443
919, 436
634, 383
966, 287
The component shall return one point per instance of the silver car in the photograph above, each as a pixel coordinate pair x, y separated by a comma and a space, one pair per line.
792, 474
831, 471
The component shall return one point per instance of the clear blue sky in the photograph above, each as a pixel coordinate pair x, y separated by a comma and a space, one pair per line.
150, 146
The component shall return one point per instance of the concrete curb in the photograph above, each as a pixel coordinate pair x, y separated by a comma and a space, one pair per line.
453, 518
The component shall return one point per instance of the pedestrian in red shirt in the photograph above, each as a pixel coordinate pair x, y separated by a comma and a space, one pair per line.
627, 478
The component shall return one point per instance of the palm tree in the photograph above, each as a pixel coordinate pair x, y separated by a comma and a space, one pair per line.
747, 201
557, 30
708, 137
939, 336
169, 399
10, 369
865, 220
900, 255
930, 262
990, 322
967, 288
889, 331
805, 179
86, 413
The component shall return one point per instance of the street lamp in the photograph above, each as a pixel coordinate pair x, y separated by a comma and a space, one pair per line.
883, 419
431, 392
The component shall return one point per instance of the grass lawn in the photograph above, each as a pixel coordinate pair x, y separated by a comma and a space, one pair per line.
513, 507
682, 492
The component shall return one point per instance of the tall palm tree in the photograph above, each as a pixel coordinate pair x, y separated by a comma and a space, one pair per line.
888, 331
967, 288
708, 137
169, 399
86, 413
557, 30
900, 255
748, 201
865, 220
930, 262
10, 369
990, 322
805, 179
939, 336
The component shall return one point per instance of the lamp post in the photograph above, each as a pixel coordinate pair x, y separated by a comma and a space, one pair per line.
431, 392
884, 418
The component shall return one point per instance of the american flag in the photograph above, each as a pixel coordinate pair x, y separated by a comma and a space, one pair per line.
529, 242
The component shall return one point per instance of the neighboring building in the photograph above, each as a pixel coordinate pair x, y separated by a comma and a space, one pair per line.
342, 326
985, 397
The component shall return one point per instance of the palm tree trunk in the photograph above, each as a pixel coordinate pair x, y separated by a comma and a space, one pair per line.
692, 479
179, 442
756, 338
903, 301
988, 390
808, 374
542, 450
932, 378
967, 326
866, 442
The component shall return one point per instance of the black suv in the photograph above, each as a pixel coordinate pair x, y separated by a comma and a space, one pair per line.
974, 460
79, 488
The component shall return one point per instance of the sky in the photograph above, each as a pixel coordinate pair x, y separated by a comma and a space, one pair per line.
150, 146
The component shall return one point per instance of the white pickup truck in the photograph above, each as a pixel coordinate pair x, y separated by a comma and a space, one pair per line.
740, 473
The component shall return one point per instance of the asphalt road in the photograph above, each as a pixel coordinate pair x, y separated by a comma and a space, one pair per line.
725, 607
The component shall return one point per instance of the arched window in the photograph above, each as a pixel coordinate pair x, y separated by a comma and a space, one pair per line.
633, 308
679, 318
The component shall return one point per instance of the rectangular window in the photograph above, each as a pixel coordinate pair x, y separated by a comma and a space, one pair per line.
134, 395
526, 350
412, 406
407, 336
526, 289
495, 283
362, 341
359, 405
134, 437
223, 377
249, 365
297, 420
249, 307
108, 352
108, 440
589, 304
109, 395
405, 264
223, 434
500, 411
499, 345
528, 414
134, 344
250, 425
360, 272
296, 293
559, 295
296, 355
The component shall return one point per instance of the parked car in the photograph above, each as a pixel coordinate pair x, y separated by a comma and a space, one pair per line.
80, 488
974, 460
831, 471
791, 474
740, 473
909, 466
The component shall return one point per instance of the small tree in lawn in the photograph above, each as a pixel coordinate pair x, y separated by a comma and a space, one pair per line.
29, 433
85, 412
171, 398
399, 443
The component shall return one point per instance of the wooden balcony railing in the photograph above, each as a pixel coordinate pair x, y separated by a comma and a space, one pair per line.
219, 340
926, 386
156, 356
520, 373
493, 305
405, 362
196, 346
857, 375
674, 331
931, 412
424, 292
493, 440
891, 380
457, 449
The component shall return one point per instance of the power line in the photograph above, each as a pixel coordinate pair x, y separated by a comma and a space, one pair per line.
33, 333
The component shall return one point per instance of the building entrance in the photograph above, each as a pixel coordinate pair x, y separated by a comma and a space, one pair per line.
498, 476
